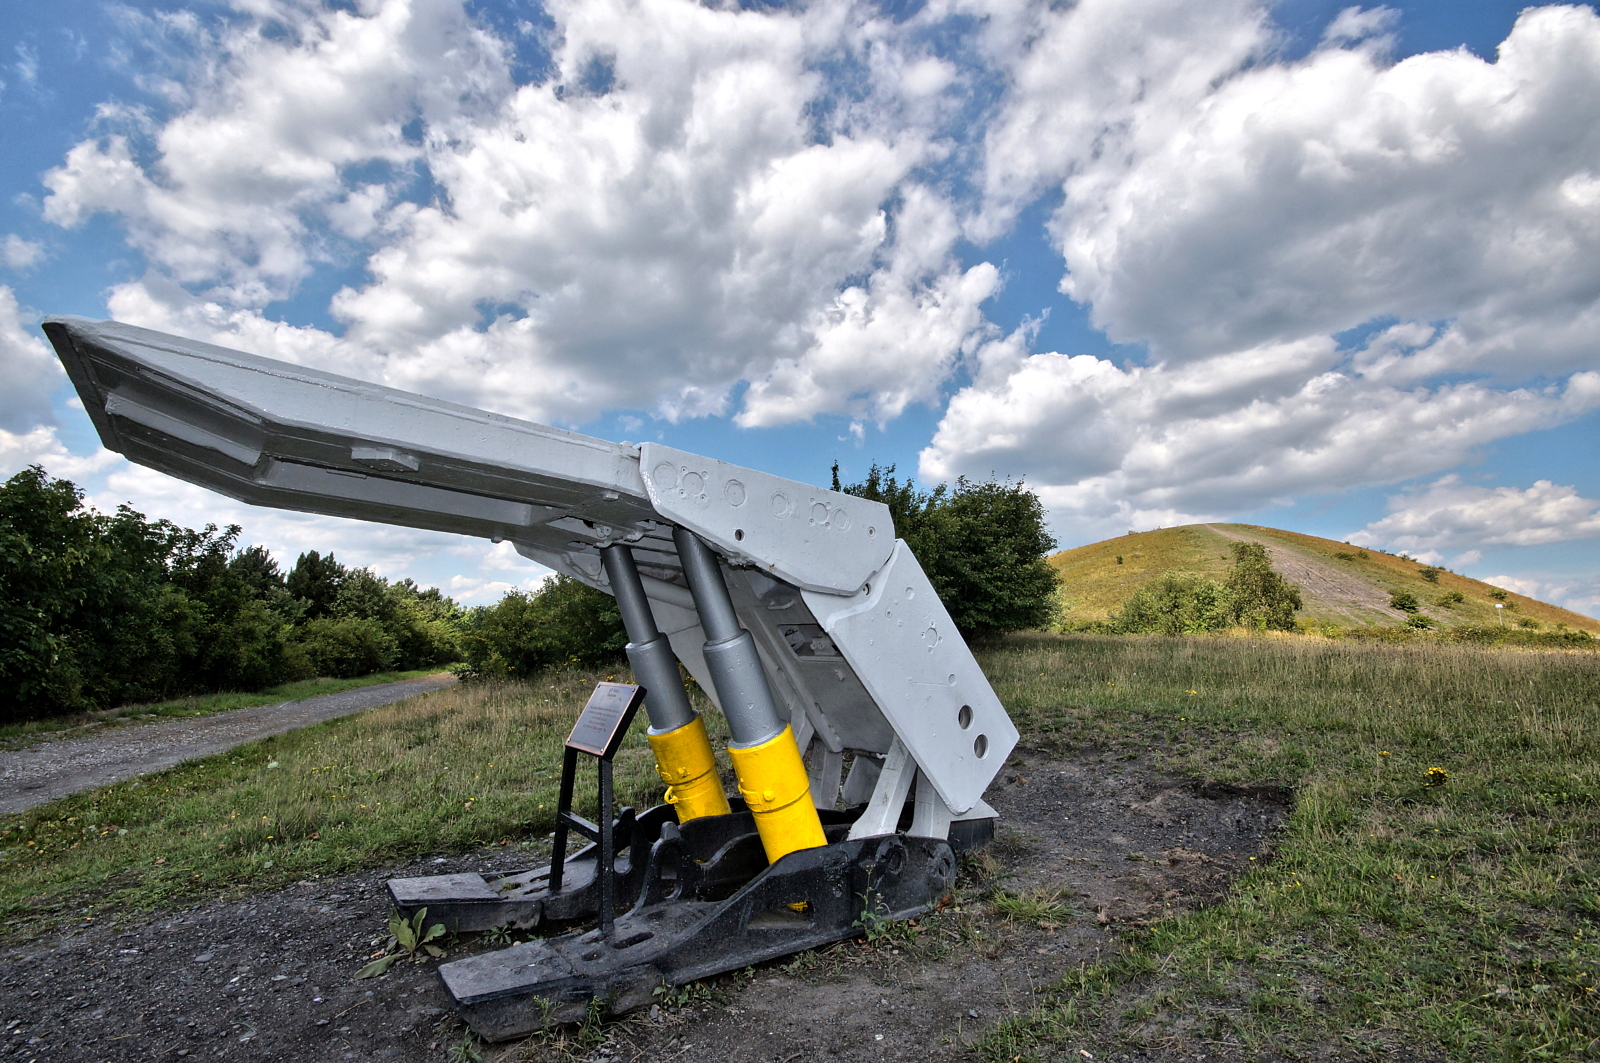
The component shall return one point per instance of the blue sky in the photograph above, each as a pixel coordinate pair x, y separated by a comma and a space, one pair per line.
1317, 266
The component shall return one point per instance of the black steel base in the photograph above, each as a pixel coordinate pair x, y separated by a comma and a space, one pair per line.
521, 900
701, 900
808, 898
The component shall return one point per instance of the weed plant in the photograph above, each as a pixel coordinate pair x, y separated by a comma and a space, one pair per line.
1436, 888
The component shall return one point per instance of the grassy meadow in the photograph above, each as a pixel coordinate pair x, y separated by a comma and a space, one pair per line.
444, 772
1437, 887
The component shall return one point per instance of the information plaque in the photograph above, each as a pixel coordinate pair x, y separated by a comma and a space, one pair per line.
605, 719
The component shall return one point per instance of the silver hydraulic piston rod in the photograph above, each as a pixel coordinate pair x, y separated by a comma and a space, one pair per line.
730, 651
772, 777
655, 666
677, 734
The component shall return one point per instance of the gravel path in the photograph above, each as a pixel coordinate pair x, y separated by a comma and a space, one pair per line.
1352, 599
53, 769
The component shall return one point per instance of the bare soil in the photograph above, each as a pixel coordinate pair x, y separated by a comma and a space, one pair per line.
271, 976
57, 766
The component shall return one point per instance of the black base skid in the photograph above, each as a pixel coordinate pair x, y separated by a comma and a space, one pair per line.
703, 901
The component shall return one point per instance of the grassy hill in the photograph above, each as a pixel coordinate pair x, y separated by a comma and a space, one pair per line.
1341, 585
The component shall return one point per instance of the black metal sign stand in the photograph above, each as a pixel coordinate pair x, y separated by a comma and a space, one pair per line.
598, 732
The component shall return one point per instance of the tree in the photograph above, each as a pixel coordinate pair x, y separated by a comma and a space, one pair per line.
983, 546
1186, 603
99, 610
1258, 596
315, 581
563, 622
47, 545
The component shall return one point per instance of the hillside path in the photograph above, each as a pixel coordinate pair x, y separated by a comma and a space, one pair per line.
58, 767
1340, 591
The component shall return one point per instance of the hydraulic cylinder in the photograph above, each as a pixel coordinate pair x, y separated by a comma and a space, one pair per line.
766, 759
677, 734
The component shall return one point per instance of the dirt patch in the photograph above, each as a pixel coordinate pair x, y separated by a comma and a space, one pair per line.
57, 767
1342, 594
1089, 846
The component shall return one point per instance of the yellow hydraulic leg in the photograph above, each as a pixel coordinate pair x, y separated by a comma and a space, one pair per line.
685, 763
773, 781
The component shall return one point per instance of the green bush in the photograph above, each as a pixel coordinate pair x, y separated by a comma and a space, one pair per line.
1259, 597
1175, 603
99, 610
345, 647
1430, 574
427, 625
1185, 603
1404, 601
982, 544
1482, 635
1449, 598
563, 622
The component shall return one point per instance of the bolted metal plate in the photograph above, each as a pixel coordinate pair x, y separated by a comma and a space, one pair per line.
815, 539
420, 892
907, 652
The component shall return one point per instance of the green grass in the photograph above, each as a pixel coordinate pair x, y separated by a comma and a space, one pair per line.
13, 736
1458, 919
444, 772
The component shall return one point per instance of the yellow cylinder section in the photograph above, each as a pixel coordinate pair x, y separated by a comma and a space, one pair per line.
685, 763
772, 780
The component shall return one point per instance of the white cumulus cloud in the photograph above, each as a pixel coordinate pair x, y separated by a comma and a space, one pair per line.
771, 214
683, 204
18, 254
1111, 446
27, 366
42, 446
1309, 197
1450, 514
1239, 213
